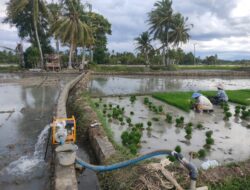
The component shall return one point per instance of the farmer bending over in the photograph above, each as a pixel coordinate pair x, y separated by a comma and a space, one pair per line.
220, 97
202, 103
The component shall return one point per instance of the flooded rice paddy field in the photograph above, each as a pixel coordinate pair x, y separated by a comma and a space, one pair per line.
111, 85
231, 137
26, 108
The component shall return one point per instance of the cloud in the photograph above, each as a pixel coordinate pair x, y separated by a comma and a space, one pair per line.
220, 26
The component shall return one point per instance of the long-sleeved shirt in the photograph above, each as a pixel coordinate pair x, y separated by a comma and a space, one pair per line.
204, 103
221, 94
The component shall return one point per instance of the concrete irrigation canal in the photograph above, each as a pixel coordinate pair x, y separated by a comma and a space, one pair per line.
35, 154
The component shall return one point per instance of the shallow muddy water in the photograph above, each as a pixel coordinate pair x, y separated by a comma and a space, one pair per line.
231, 137
115, 85
26, 109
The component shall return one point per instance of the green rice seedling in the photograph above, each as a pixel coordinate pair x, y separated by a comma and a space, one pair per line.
109, 115
245, 114
199, 126
169, 118
139, 126
178, 149
133, 149
171, 158
104, 111
122, 123
248, 126
105, 105
237, 111
227, 115
209, 134
190, 124
182, 119
202, 153
243, 108
226, 109
132, 113
150, 103
118, 106
100, 99
149, 123
132, 99
123, 109
209, 141
188, 137
188, 130
146, 100
155, 119
149, 128
121, 119
160, 109
128, 120
97, 105
179, 122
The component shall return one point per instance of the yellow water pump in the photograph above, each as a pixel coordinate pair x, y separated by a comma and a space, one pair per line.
63, 130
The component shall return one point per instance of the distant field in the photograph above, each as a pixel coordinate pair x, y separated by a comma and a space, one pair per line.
155, 68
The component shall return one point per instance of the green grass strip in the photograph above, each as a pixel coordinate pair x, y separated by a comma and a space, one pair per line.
182, 100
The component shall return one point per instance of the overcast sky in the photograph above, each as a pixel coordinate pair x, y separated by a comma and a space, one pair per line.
220, 26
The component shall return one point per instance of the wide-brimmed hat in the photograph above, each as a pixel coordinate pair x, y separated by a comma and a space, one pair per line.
196, 95
220, 86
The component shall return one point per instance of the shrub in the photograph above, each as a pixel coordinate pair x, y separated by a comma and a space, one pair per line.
199, 126
169, 118
201, 153
178, 149
209, 134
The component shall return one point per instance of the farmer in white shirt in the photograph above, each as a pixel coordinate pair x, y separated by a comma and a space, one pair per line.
202, 103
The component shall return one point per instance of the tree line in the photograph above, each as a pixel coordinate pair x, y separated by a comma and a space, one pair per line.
69, 22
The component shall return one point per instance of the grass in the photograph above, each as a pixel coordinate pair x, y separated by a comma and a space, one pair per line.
182, 100
178, 99
9, 69
241, 183
212, 67
236, 96
159, 68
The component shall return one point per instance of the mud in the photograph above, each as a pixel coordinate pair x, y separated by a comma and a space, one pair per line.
228, 135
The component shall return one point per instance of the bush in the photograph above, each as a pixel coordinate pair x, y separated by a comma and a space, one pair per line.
31, 57
178, 149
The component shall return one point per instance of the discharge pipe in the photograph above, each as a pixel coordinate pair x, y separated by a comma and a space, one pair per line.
193, 172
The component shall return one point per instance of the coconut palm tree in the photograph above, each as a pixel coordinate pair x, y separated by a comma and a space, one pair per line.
143, 45
71, 29
14, 7
160, 20
179, 30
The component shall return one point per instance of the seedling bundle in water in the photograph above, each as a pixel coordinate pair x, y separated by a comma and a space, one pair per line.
179, 122
169, 118
209, 139
132, 99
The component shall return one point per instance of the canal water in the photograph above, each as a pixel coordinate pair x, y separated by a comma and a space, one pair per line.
26, 108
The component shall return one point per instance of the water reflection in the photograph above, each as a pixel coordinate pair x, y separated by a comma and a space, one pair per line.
111, 85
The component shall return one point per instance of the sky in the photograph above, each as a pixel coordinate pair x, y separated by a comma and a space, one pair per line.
221, 27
